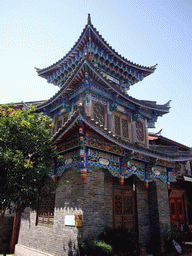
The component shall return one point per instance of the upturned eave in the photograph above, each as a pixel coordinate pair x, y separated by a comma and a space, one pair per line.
96, 74
81, 42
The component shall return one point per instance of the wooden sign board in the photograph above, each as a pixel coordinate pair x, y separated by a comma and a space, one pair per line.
78, 220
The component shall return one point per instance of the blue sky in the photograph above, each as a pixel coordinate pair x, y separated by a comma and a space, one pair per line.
39, 33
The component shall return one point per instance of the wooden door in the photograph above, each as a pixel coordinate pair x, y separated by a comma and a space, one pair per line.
124, 207
177, 212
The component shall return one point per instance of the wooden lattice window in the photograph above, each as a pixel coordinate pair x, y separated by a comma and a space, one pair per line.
117, 126
139, 130
121, 125
180, 208
125, 130
172, 208
99, 113
60, 120
46, 211
128, 204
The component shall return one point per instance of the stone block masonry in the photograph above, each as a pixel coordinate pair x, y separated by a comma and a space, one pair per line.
91, 198
143, 217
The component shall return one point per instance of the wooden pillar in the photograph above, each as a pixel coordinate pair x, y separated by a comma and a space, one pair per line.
15, 232
146, 135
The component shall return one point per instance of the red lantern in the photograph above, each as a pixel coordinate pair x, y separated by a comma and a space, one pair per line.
54, 179
146, 183
83, 174
121, 180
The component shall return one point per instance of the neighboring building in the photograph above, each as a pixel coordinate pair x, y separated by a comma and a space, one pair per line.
113, 177
180, 192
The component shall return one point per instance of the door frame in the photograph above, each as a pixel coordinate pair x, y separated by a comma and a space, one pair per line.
174, 197
128, 186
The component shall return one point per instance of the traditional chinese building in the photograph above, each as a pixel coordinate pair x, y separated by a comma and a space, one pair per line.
113, 177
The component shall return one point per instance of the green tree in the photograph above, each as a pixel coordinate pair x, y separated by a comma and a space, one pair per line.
26, 158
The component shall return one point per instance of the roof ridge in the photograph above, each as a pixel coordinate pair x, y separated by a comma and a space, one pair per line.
119, 55
65, 56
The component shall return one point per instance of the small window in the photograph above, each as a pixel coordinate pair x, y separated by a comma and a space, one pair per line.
139, 131
99, 113
125, 130
117, 126
46, 212
60, 120
121, 125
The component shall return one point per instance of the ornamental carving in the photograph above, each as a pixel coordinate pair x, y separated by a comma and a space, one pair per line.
105, 146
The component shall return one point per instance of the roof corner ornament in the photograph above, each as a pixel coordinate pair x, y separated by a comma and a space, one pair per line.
89, 19
37, 69
168, 104
159, 132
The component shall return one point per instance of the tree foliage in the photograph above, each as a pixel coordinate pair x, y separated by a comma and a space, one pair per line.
26, 157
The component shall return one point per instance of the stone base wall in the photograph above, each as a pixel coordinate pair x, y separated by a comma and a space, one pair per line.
93, 209
91, 198
57, 239
143, 217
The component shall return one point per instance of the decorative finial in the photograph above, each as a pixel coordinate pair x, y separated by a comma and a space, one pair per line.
159, 132
89, 18
168, 104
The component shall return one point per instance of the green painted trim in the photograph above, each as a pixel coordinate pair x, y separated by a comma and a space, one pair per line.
104, 150
64, 151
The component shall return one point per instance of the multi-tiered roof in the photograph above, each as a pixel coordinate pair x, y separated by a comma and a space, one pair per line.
103, 64
101, 54
92, 56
